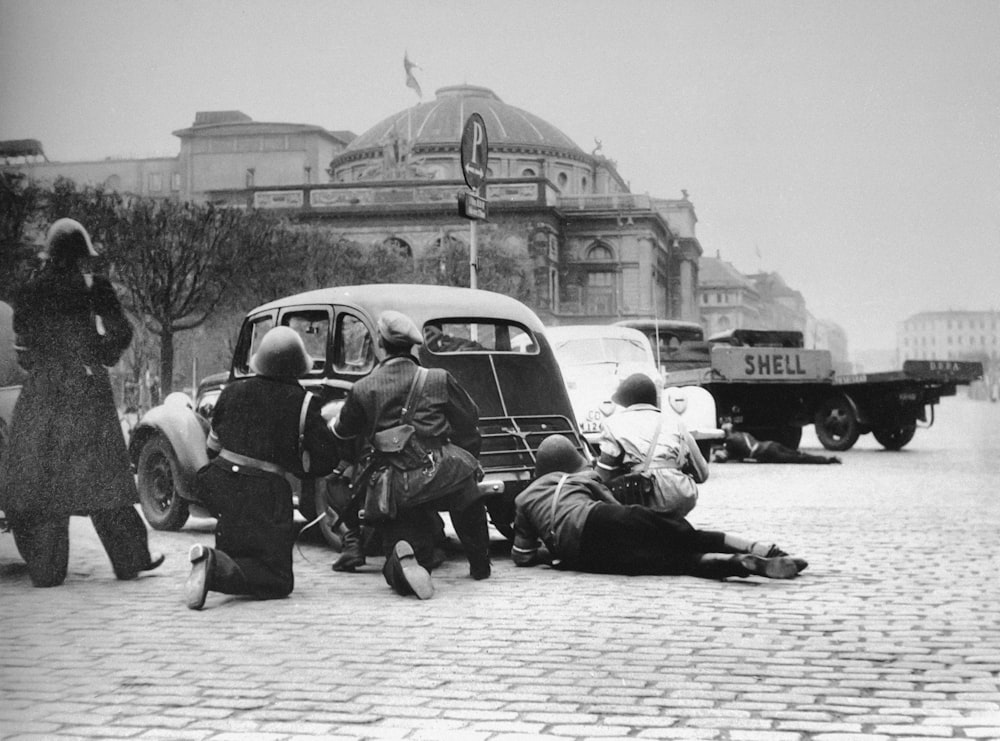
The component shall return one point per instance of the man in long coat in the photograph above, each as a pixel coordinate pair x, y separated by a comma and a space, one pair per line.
67, 454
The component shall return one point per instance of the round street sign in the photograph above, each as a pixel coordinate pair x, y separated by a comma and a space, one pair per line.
475, 151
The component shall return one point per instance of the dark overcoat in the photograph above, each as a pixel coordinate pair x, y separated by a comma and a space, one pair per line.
67, 453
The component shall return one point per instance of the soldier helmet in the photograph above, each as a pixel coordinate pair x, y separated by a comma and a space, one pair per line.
281, 354
636, 389
556, 453
68, 241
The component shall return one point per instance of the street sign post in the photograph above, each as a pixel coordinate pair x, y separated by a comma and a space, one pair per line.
474, 158
471, 206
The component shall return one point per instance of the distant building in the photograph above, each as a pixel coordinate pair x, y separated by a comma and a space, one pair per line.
728, 299
950, 335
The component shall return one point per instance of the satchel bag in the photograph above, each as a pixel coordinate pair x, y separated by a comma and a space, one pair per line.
394, 450
637, 486
399, 445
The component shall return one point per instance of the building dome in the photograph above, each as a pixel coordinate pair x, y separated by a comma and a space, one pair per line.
428, 132
440, 122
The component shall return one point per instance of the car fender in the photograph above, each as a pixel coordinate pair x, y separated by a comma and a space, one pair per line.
187, 433
694, 406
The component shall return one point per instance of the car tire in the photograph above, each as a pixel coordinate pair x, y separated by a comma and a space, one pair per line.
896, 438
836, 423
158, 472
313, 501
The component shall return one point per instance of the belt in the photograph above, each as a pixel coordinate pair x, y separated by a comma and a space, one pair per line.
248, 462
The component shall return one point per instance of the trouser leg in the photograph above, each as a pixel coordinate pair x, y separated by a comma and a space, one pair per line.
123, 535
43, 542
473, 532
417, 526
637, 540
226, 576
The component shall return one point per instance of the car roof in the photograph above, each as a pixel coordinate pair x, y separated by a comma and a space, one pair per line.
418, 301
661, 324
593, 331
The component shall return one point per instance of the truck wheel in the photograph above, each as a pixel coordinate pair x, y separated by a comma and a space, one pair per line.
162, 504
836, 424
501, 511
895, 438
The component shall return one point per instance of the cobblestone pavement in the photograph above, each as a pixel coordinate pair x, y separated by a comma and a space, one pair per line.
892, 633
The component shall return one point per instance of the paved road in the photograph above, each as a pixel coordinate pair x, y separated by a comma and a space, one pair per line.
892, 633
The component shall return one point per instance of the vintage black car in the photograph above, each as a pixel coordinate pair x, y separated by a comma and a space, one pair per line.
494, 345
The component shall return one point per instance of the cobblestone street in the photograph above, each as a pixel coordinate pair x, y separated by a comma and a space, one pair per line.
893, 632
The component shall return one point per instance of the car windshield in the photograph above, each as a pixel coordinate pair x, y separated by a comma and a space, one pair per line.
460, 336
601, 350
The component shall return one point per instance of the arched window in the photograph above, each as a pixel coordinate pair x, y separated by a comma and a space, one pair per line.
562, 180
600, 253
527, 172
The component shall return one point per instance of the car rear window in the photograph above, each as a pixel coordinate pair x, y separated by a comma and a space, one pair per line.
466, 336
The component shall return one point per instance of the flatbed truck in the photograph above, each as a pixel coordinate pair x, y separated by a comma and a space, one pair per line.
766, 383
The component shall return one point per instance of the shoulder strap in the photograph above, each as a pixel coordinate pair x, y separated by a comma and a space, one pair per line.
303, 453
555, 501
652, 446
415, 388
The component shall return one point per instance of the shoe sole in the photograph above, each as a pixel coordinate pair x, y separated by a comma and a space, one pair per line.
196, 586
417, 577
781, 567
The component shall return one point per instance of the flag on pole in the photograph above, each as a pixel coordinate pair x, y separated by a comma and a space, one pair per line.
411, 81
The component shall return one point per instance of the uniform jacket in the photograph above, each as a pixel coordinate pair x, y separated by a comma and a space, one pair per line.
67, 452
625, 440
559, 527
259, 417
445, 411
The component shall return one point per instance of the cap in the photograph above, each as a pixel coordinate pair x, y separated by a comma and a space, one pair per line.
556, 453
398, 329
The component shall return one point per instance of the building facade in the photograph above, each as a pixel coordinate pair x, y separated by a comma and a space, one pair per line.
597, 252
950, 335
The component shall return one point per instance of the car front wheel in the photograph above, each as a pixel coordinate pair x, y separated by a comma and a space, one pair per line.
162, 504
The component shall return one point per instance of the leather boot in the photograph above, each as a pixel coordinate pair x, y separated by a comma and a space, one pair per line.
352, 553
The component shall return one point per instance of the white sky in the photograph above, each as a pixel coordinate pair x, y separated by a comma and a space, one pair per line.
855, 144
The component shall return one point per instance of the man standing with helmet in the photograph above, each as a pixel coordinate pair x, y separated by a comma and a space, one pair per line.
67, 455
264, 428
445, 420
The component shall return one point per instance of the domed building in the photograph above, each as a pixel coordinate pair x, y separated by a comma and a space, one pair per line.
588, 249
594, 251
423, 142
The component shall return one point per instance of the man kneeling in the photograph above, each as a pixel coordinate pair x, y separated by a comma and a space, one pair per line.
584, 528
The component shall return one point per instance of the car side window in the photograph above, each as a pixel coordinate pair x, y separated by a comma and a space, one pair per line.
353, 346
313, 326
250, 336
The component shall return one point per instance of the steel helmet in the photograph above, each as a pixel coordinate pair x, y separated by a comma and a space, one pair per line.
67, 241
636, 389
281, 354
556, 453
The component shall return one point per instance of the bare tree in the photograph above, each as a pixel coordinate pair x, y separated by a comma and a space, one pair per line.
19, 202
178, 261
